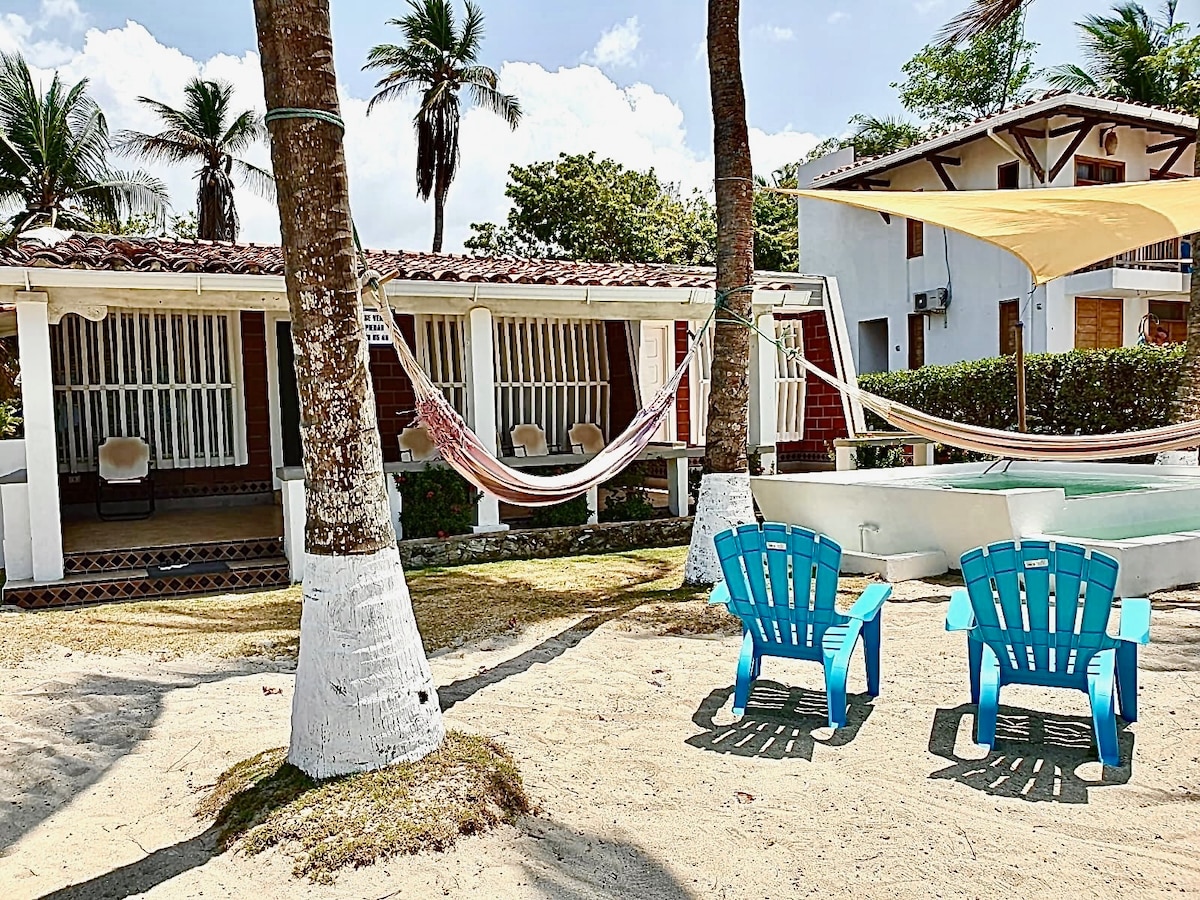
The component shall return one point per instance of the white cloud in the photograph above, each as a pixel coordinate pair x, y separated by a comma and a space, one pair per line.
66, 12
925, 7
570, 110
617, 46
837, 17
776, 33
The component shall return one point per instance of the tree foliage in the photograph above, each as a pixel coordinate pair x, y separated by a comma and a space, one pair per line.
54, 168
207, 133
584, 208
988, 74
437, 60
1119, 51
873, 136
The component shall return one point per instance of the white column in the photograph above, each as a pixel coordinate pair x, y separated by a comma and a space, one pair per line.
18, 549
482, 374
844, 459
764, 385
923, 454
677, 486
593, 502
395, 504
41, 446
295, 516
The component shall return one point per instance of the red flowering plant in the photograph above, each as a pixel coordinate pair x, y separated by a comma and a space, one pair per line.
436, 502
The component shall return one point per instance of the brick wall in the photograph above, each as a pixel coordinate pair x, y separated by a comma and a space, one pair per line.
395, 403
824, 415
683, 397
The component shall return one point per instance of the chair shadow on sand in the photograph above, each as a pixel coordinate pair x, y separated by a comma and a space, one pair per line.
1036, 756
779, 723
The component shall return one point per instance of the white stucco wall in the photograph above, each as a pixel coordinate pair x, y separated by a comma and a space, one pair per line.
868, 257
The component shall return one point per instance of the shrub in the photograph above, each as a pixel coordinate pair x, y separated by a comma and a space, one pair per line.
1079, 392
573, 512
436, 502
628, 500
10, 420
879, 457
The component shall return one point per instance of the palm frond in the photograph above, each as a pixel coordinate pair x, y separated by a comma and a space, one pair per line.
173, 147
980, 17
1073, 78
506, 106
257, 179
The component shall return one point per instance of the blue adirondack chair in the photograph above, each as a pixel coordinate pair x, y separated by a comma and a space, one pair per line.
781, 581
1017, 635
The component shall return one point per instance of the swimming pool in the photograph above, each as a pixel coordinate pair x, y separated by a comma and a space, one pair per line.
1146, 516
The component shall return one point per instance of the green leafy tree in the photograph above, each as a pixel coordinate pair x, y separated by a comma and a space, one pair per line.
206, 133
776, 235
988, 74
584, 208
873, 136
438, 59
54, 168
1119, 53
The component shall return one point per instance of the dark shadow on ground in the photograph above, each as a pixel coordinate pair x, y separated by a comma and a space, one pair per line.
778, 724
147, 873
563, 864
1036, 755
1173, 647
75, 731
549, 649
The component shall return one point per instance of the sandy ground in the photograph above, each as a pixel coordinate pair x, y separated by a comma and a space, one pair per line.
647, 787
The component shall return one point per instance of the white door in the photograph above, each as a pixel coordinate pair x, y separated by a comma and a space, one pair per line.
656, 362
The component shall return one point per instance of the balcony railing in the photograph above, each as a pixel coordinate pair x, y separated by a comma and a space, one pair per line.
1165, 256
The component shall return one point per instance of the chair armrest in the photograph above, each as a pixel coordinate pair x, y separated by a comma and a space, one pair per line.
719, 596
867, 606
960, 617
1135, 621
519, 450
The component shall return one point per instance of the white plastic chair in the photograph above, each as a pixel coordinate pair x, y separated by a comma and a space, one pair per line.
529, 440
586, 438
417, 446
124, 461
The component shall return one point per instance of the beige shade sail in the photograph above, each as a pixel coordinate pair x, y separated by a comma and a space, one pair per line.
1054, 231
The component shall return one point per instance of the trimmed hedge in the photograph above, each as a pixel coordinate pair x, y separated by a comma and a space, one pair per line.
1080, 392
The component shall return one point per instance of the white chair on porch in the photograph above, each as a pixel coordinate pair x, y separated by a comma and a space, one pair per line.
122, 462
529, 440
586, 437
417, 446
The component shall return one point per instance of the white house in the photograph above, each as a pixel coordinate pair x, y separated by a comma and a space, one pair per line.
187, 346
916, 294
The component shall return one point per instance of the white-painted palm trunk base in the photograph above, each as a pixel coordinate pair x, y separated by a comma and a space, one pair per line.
725, 502
1176, 458
364, 693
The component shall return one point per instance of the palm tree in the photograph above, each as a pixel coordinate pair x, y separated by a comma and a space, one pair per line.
54, 158
725, 492
364, 694
984, 14
881, 136
1118, 52
438, 59
205, 132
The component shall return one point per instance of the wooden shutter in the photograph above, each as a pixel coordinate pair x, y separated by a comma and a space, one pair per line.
1099, 323
916, 341
1010, 316
916, 238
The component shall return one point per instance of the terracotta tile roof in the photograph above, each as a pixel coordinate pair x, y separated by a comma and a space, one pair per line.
151, 254
936, 137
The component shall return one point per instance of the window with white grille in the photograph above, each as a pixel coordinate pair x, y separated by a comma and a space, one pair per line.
789, 421
441, 347
169, 377
701, 381
551, 372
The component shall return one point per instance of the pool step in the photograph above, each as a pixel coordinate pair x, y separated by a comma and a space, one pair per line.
895, 567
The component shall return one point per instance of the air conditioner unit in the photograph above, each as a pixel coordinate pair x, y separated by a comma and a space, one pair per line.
935, 301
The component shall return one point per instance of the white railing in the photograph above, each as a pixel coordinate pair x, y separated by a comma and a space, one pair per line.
168, 377
1165, 256
441, 347
789, 420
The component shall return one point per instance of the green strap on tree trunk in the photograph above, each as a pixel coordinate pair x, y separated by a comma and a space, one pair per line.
289, 112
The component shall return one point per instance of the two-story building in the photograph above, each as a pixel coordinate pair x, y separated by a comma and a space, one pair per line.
916, 294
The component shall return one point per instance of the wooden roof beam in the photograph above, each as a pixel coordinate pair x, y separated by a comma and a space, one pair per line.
1173, 144
1080, 136
939, 164
1072, 128
1022, 139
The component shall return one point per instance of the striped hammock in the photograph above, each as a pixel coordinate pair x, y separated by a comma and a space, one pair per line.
1016, 445
462, 450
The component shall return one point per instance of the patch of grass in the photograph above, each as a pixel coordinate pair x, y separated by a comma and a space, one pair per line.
470, 785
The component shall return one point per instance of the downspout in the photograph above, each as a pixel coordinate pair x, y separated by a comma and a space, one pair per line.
991, 132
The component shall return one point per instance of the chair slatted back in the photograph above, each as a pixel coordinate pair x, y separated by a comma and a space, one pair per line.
782, 582
1011, 585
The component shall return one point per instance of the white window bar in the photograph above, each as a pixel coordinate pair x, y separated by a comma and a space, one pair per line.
792, 381
701, 382
550, 372
166, 376
441, 348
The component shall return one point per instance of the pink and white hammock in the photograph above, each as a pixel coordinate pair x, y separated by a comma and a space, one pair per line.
462, 450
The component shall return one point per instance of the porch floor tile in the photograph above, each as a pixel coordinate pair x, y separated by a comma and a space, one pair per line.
172, 527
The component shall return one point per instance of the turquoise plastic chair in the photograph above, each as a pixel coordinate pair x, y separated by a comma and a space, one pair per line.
1016, 634
781, 581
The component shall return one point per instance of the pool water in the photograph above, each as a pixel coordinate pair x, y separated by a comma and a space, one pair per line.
1073, 484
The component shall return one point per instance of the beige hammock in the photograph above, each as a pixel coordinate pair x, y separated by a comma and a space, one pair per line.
1010, 444
462, 450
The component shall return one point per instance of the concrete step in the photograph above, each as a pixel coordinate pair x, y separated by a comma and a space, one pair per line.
95, 561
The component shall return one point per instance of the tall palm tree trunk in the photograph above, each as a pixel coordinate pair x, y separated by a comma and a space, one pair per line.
1187, 402
364, 695
725, 492
439, 214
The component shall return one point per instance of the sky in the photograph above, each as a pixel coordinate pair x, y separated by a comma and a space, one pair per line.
626, 78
